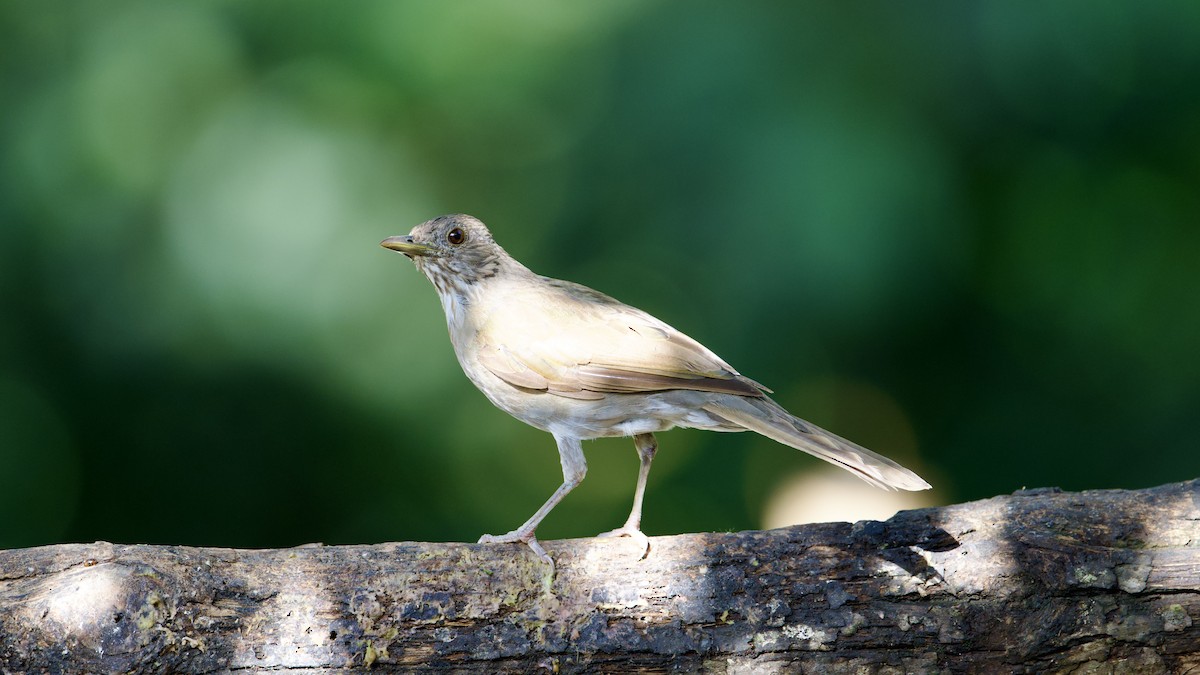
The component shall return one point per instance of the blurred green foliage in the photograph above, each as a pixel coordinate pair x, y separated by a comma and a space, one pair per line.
964, 234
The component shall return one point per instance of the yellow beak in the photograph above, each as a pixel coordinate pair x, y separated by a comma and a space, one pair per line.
404, 244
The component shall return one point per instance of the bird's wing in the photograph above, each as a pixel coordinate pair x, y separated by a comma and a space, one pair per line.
580, 343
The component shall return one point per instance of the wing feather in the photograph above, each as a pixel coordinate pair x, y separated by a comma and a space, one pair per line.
512, 369
579, 343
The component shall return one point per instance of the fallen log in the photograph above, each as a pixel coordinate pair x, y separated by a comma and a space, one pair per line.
1041, 581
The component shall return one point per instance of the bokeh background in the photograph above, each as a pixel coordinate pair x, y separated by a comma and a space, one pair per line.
963, 234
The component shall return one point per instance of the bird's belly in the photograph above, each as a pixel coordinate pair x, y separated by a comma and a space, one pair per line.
613, 415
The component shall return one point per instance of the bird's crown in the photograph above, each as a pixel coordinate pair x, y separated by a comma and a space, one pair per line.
453, 234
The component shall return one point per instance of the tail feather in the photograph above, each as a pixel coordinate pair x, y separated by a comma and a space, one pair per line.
766, 417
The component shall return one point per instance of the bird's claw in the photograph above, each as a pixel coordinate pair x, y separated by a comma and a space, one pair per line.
633, 532
519, 536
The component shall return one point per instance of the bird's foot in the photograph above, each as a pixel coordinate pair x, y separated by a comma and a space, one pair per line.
633, 532
519, 536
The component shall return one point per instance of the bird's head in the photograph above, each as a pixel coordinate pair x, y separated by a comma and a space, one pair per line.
455, 252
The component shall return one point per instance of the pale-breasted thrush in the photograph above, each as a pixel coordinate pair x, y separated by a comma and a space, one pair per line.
578, 364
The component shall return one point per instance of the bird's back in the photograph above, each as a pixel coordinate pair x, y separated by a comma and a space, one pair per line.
580, 340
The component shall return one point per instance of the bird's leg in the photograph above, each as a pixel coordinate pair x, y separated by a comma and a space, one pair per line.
646, 446
574, 467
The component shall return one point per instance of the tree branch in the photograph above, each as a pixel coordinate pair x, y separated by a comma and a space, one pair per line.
1041, 581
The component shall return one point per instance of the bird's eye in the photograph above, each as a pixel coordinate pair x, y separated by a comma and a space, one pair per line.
456, 236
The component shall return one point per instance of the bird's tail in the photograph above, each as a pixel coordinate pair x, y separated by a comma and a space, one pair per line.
764, 416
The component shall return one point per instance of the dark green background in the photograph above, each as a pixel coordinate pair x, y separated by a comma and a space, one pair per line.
964, 234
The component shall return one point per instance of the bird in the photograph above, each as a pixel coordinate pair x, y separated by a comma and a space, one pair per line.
581, 365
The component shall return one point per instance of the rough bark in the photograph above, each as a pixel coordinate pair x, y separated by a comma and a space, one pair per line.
1037, 582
